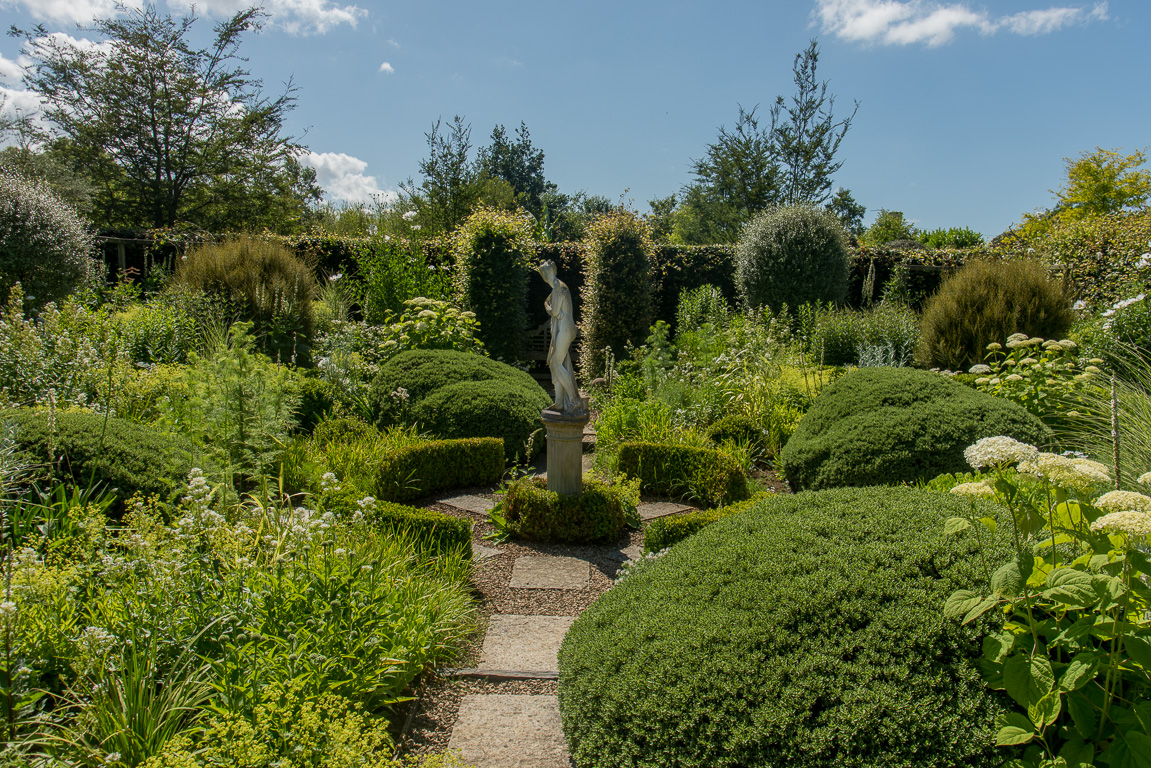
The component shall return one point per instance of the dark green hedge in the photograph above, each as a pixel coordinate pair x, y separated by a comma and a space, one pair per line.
703, 475
738, 428
434, 533
427, 468
663, 532
128, 457
600, 513
486, 409
879, 426
806, 632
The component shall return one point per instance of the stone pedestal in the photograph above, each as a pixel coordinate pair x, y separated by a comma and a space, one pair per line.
565, 451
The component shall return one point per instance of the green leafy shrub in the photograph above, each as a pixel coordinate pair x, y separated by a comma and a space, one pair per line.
737, 428
987, 301
317, 398
805, 632
161, 331
600, 512
430, 466
435, 533
87, 450
44, 244
617, 301
878, 426
792, 255
663, 532
703, 474
952, 237
394, 271
262, 282
888, 227
1121, 335
492, 253
887, 334
486, 409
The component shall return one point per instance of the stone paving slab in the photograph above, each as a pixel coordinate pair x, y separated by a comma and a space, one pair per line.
525, 643
470, 503
650, 510
510, 731
628, 553
550, 572
479, 551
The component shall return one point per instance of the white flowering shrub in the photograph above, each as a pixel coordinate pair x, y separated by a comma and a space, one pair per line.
44, 244
1121, 333
1074, 650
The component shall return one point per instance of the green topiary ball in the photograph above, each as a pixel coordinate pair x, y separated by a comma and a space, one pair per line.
490, 408
988, 301
881, 426
44, 244
805, 632
792, 255
80, 448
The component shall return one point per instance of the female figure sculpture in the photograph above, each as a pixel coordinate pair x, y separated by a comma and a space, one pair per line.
563, 333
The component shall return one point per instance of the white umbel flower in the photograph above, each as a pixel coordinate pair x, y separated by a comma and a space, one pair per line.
998, 451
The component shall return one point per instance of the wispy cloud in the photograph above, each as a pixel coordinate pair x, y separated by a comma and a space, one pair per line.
903, 22
386, 67
69, 11
343, 179
10, 71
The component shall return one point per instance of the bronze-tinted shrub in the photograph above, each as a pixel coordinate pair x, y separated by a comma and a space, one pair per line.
617, 293
263, 282
986, 301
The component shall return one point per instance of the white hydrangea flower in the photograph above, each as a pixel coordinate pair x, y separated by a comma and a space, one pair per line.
1014, 377
1134, 524
1124, 501
1066, 471
1145, 478
998, 451
982, 489
980, 368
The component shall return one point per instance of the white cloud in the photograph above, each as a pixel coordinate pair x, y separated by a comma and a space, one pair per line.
10, 71
70, 11
342, 177
16, 103
296, 17
902, 22
386, 67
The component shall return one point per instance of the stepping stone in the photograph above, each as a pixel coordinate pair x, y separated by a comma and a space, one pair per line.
550, 572
510, 731
477, 504
629, 553
524, 643
479, 551
650, 510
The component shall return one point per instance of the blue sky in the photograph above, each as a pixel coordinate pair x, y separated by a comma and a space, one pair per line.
966, 110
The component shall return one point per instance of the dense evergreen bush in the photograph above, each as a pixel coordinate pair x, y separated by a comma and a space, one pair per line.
617, 298
492, 261
425, 468
877, 426
486, 409
420, 372
85, 449
262, 282
44, 244
986, 301
792, 255
701, 474
806, 632
738, 428
600, 512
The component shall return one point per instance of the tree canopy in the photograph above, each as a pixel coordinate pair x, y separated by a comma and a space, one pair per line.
1104, 181
168, 133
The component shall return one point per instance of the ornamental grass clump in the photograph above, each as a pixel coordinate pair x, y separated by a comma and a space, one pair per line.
1074, 651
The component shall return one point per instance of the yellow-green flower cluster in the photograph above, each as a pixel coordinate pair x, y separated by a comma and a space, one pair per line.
1124, 501
982, 489
1065, 471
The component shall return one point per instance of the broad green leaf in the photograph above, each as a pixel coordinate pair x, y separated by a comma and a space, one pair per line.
1077, 752
956, 525
1139, 650
1053, 762
1045, 711
1025, 561
1139, 561
1028, 679
1007, 581
989, 523
1130, 749
985, 606
997, 646
1083, 668
1076, 630
1071, 587
1014, 729
960, 603
1067, 515
1082, 714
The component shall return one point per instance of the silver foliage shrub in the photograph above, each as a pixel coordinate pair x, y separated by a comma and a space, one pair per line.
44, 244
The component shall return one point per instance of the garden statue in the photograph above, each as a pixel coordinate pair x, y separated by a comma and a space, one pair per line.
563, 332
566, 418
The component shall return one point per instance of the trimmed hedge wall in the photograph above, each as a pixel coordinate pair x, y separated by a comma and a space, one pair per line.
881, 426
600, 512
435, 533
663, 532
424, 469
702, 474
805, 632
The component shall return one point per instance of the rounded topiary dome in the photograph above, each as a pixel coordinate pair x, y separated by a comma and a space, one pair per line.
805, 632
882, 426
792, 255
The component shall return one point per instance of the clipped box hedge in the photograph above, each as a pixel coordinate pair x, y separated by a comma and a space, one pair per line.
704, 475
600, 512
433, 533
437, 465
663, 532
806, 632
